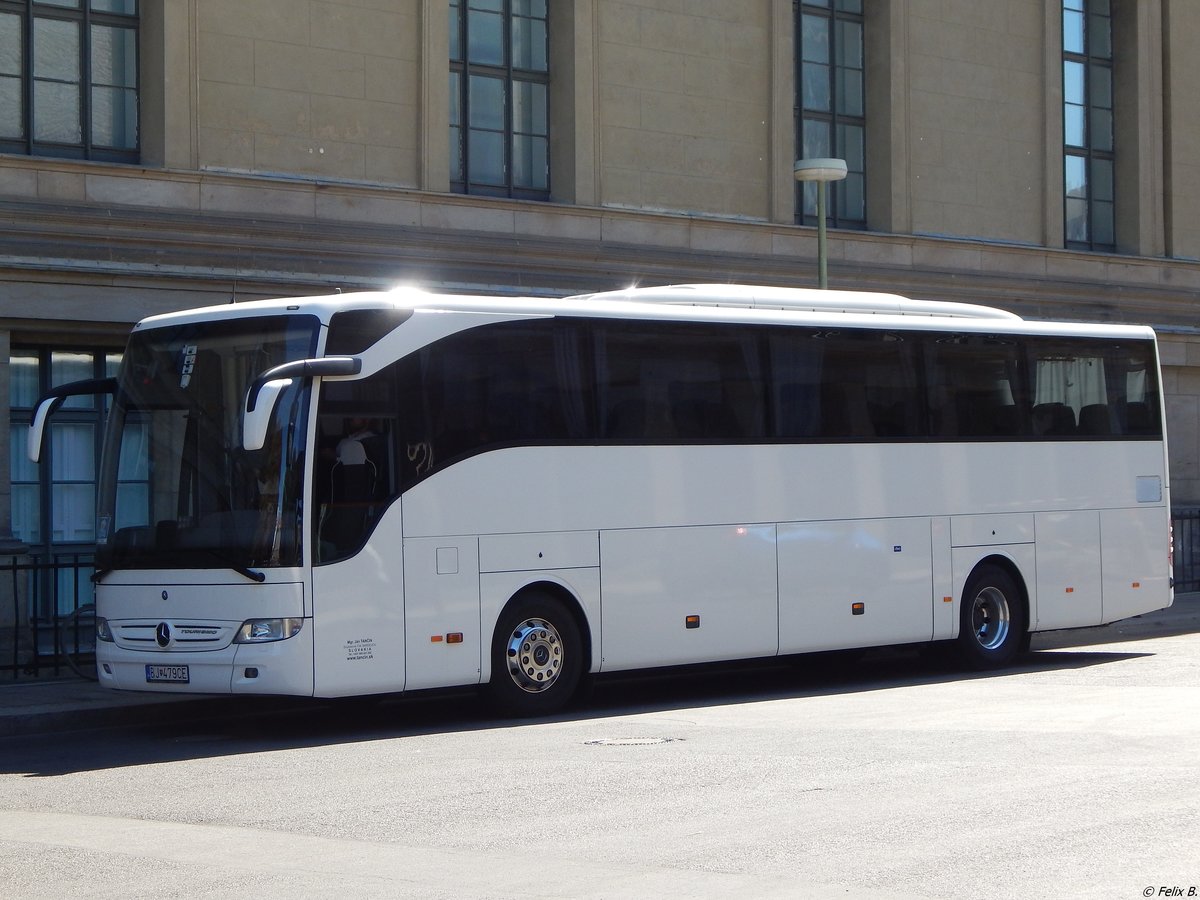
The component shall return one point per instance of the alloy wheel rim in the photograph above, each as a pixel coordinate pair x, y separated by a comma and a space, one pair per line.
990, 618
534, 654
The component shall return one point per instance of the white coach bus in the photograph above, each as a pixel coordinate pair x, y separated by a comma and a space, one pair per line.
371, 493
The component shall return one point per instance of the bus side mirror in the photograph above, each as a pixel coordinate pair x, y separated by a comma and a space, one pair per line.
264, 392
256, 421
53, 400
37, 430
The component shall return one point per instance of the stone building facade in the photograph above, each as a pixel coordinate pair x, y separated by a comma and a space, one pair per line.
224, 150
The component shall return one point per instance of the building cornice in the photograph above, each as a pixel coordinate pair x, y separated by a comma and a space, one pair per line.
83, 222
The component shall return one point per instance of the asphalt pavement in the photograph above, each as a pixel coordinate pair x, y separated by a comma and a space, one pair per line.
43, 705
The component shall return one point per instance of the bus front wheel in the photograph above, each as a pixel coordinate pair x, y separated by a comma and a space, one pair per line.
537, 657
992, 625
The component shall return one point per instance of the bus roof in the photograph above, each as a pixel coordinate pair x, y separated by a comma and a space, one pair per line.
799, 299
684, 302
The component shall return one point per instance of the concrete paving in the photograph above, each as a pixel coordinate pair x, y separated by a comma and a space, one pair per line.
32, 706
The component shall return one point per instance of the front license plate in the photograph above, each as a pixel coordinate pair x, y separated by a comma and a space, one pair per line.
167, 674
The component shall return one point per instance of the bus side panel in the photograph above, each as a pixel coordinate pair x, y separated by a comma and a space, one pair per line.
944, 626
825, 568
1068, 570
1136, 579
358, 618
441, 589
653, 579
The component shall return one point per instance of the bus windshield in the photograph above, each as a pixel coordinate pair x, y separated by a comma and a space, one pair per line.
176, 488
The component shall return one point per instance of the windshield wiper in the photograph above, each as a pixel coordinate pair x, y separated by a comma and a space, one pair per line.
253, 575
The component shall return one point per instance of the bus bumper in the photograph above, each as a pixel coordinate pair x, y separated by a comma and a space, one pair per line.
279, 667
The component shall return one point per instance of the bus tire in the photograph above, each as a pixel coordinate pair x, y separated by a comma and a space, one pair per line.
993, 623
537, 656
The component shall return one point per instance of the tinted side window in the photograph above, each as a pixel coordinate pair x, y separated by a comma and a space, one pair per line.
354, 330
504, 385
844, 385
662, 382
975, 386
1020, 388
1093, 389
1133, 375
360, 466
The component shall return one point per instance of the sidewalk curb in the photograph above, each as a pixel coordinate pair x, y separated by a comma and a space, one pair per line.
111, 716
87, 707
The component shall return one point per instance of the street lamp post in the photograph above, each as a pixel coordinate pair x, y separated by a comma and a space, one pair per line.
822, 171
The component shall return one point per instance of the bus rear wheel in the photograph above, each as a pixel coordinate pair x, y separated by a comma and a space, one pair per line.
537, 657
993, 623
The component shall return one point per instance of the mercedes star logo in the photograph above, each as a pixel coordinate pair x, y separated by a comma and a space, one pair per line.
162, 634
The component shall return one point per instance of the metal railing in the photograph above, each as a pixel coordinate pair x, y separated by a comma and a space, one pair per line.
1186, 523
47, 622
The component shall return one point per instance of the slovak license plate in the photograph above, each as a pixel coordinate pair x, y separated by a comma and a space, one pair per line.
167, 674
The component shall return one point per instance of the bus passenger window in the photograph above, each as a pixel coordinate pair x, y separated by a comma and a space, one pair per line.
1053, 419
353, 480
360, 461
845, 410
844, 385
1095, 420
660, 383
1137, 419
975, 387
508, 385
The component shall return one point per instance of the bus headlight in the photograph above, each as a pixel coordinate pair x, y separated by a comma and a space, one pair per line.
103, 632
262, 631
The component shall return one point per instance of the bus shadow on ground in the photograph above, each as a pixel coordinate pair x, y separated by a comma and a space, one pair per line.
255, 725
214, 727
814, 675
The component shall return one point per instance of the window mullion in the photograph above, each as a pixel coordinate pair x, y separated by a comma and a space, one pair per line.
46, 469
85, 80
509, 136
1081, 49
464, 127
27, 76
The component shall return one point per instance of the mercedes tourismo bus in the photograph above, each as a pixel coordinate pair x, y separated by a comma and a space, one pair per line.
371, 493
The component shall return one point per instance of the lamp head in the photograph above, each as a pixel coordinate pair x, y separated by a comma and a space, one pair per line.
824, 169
